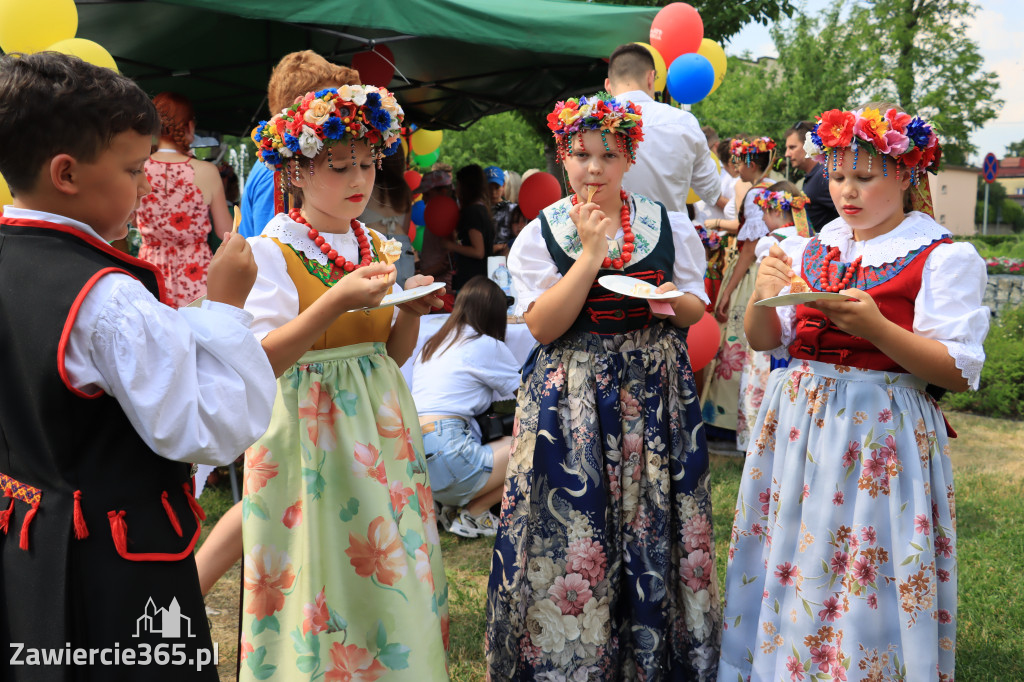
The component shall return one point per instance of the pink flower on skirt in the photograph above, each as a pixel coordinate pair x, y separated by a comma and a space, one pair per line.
571, 593
786, 573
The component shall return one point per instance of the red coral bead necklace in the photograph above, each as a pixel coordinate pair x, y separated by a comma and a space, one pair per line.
337, 260
834, 284
627, 234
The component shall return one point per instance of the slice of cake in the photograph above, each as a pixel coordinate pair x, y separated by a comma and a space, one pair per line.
390, 251
797, 285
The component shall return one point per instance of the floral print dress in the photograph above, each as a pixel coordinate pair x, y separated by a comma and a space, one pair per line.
174, 222
603, 568
842, 562
343, 577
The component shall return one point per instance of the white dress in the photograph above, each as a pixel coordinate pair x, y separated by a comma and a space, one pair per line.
842, 562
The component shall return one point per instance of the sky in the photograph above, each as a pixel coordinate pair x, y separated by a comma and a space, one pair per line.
998, 30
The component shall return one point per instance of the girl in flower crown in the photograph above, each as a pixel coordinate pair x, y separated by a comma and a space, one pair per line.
842, 563
343, 573
721, 396
603, 566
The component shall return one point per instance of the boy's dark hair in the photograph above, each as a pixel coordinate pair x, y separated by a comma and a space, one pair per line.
630, 62
53, 103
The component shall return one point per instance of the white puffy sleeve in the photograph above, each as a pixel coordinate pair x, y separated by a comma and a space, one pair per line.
533, 272
948, 306
753, 219
195, 384
691, 260
794, 248
273, 300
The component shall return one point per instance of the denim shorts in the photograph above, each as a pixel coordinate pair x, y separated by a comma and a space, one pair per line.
458, 464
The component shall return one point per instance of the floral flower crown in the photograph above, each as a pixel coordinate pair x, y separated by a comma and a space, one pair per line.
602, 113
780, 201
326, 117
908, 139
746, 148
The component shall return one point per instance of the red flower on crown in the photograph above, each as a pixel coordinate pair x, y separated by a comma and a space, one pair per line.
836, 129
898, 120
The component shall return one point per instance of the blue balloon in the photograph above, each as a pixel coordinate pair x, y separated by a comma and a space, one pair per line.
418, 210
690, 78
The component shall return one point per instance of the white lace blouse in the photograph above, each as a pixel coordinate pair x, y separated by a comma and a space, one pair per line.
534, 272
947, 308
274, 300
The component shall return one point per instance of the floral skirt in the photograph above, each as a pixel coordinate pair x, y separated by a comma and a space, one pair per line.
603, 568
721, 394
342, 574
842, 564
753, 381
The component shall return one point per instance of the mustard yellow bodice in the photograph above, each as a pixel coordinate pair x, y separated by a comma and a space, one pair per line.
361, 326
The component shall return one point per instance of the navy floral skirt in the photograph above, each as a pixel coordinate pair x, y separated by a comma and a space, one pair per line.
603, 567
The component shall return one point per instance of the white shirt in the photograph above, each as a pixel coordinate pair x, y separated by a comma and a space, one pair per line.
672, 157
463, 379
764, 244
534, 272
706, 212
274, 300
754, 226
194, 382
948, 306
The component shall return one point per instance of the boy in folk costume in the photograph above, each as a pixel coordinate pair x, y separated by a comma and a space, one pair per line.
106, 393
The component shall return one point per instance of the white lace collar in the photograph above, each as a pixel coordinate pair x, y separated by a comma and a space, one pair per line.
916, 230
296, 235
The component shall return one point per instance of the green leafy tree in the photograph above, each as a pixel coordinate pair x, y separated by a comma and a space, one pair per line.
507, 140
1015, 149
920, 55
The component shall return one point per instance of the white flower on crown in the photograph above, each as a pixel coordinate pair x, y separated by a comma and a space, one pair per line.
309, 142
812, 150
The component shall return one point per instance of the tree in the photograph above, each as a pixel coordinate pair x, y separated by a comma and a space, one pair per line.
723, 20
920, 55
506, 140
1015, 149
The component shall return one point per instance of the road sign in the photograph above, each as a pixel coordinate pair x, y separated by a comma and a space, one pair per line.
990, 168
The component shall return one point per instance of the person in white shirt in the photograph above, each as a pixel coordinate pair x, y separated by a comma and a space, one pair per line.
459, 372
675, 153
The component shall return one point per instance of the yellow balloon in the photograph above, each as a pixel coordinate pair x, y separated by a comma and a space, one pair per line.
5, 193
660, 70
692, 197
87, 50
425, 141
31, 25
714, 53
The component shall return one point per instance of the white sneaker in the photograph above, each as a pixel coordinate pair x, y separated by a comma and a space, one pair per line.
445, 515
469, 526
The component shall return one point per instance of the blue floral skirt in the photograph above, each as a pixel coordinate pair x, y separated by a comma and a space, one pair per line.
603, 568
842, 564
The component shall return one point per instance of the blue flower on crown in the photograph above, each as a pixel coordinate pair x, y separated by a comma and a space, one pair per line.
291, 142
321, 93
919, 131
393, 147
333, 128
380, 119
373, 99
814, 136
259, 131
271, 157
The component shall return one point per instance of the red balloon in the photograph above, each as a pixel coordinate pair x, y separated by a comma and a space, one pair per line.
702, 340
677, 29
538, 191
413, 179
442, 215
412, 231
376, 66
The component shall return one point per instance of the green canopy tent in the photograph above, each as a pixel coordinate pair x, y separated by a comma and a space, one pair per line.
457, 60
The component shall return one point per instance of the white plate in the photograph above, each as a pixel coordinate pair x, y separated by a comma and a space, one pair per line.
802, 297
621, 284
408, 295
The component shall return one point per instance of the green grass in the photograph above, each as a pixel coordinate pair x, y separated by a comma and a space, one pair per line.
988, 461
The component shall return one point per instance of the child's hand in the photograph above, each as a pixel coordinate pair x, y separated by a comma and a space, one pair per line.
592, 225
774, 274
722, 306
422, 306
363, 287
860, 317
232, 272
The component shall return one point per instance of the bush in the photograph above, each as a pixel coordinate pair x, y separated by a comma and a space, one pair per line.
1001, 390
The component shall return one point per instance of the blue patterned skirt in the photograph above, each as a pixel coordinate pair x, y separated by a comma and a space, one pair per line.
603, 567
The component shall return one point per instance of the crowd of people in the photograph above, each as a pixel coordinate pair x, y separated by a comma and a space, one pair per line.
842, 555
